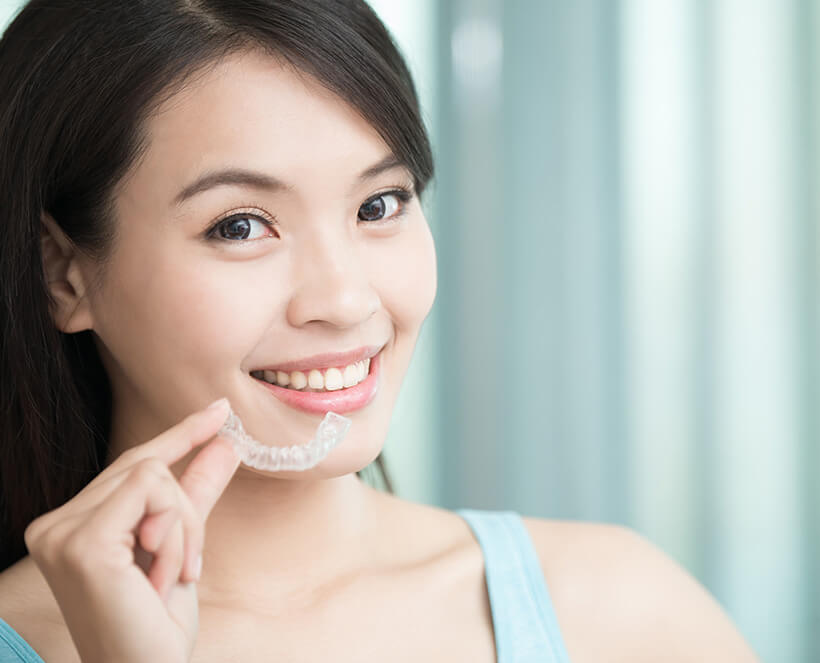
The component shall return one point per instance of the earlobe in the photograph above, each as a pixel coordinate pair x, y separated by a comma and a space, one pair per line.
64, 279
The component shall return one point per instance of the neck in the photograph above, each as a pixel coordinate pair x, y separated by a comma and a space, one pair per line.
270, 538
267, 538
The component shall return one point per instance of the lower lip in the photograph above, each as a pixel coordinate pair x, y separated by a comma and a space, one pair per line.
339, 401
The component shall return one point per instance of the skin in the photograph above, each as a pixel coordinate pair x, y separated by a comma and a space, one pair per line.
321, 280
326, 282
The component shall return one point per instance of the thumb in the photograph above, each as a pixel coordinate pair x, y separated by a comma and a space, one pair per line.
208, 474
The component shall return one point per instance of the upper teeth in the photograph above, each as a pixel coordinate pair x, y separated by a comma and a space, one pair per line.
330, 379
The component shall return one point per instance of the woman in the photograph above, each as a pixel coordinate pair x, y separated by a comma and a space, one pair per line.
210, 199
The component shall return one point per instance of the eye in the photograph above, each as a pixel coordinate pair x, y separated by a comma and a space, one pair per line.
385, 207
241, 226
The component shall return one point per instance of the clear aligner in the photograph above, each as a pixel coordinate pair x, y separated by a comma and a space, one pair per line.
331, 430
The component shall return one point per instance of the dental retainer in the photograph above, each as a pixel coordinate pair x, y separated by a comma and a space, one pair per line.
330, 432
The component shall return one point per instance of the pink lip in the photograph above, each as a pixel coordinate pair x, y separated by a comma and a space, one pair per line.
339, 401
326, 360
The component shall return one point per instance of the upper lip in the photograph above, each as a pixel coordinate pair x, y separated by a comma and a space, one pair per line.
326, 360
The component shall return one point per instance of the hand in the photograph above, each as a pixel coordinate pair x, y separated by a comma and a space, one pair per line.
121, 556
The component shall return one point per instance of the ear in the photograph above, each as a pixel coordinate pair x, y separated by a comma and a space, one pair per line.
70, 307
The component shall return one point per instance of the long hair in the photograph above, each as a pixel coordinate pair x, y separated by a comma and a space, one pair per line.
78, 79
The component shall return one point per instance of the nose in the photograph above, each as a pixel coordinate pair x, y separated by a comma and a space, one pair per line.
332, 285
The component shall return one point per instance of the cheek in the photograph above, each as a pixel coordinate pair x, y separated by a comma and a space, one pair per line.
406, 275
187, 314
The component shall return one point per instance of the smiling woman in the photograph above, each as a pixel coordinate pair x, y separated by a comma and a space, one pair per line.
217, 201
79, 201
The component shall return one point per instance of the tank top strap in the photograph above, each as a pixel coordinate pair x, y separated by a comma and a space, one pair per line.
13, 649
526, 628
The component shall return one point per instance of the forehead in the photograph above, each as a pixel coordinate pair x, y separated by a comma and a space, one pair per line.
251, 111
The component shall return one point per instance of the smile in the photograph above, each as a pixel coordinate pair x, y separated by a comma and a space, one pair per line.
331, 379
336, 389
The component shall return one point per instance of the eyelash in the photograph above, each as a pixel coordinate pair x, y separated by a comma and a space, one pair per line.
402, 193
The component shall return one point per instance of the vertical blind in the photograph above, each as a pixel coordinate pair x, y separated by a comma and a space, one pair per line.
626, 216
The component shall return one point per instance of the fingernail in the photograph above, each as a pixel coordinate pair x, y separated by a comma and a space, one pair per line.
198, 568
218, 404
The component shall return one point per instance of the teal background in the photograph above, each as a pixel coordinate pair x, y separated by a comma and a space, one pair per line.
626, 330
626, 217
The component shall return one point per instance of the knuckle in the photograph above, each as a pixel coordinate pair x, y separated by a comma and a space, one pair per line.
149, 470
128, 454
42, 535
32, 534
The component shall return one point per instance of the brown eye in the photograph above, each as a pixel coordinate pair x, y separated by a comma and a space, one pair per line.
385, 206
235, 229
240, 227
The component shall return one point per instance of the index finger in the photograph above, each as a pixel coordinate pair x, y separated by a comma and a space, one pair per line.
179, 440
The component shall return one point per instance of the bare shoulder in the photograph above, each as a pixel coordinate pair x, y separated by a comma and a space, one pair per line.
29, 607
636, 602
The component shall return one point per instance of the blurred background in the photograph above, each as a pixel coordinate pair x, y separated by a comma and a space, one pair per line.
627, 219
626, 213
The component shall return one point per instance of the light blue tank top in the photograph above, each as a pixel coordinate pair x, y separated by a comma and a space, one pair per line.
526, 630
13, 648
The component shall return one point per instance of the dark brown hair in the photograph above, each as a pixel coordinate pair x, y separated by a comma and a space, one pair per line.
78, 78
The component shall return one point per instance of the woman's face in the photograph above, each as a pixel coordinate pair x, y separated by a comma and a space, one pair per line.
284, 251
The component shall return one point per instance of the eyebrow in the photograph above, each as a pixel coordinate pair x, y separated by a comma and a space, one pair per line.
259, 180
